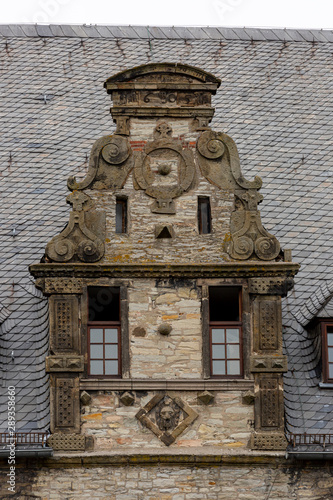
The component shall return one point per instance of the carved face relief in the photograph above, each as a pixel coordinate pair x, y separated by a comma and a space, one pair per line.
167, 416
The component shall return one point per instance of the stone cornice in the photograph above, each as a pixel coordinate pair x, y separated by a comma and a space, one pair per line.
225, 270
158, 385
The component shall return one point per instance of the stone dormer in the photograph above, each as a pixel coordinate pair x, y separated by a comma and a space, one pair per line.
165, 288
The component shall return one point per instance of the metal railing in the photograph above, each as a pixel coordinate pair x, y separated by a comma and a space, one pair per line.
310, 439
23, 438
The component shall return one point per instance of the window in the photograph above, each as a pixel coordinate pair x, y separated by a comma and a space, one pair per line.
225, 332
104, 332
327, 343
121, 215
204, 217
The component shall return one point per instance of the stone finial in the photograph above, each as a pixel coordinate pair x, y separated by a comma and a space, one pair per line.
206, 397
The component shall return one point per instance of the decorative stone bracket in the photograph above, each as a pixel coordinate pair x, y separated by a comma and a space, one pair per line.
269, 364
70, 363
83, 238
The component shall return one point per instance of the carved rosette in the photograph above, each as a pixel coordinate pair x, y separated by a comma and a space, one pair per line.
83, 237
164, 170
167, 416
110, 163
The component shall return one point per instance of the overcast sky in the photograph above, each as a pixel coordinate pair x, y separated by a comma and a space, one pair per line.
263, 13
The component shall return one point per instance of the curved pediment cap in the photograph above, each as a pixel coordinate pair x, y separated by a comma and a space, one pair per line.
162, 90
162, 73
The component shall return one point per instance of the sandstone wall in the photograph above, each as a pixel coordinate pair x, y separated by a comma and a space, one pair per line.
223, 423
162, 482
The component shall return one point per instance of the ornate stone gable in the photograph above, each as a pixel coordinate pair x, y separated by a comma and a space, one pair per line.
162, 164
167, 106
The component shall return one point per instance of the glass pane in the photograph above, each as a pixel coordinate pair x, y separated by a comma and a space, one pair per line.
111, 351
217, 335
330, 370
111, 367
96, 335
330, 354
111, 335
218, 351
218, 368
96, 367
330, 339
233, 367
232, 335
233, 351
96, 351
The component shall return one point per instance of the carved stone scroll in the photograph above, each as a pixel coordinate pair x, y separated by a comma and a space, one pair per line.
248, 237
64, 328
164, 170
83, 238
109, 166
219, 162
167, 416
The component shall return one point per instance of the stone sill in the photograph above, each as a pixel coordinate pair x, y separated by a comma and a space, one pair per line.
166, 385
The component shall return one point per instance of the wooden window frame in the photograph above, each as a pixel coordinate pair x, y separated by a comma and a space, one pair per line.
225, 324
124, 359
105, 325
323, 325
201, 200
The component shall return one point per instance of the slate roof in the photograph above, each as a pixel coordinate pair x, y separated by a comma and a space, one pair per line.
274, 101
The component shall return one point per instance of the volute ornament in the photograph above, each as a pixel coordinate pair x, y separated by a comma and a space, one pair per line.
83, 237
248, 236
109, 165
219, 162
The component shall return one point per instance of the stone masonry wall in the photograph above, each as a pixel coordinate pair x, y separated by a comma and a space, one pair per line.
177, 355
229, 482
224, 423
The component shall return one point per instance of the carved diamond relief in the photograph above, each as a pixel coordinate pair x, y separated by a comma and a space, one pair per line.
167, 416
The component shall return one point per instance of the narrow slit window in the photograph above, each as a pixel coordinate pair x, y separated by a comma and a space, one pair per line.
327, 343
204, 215
225, 332
121, 215
104, 349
